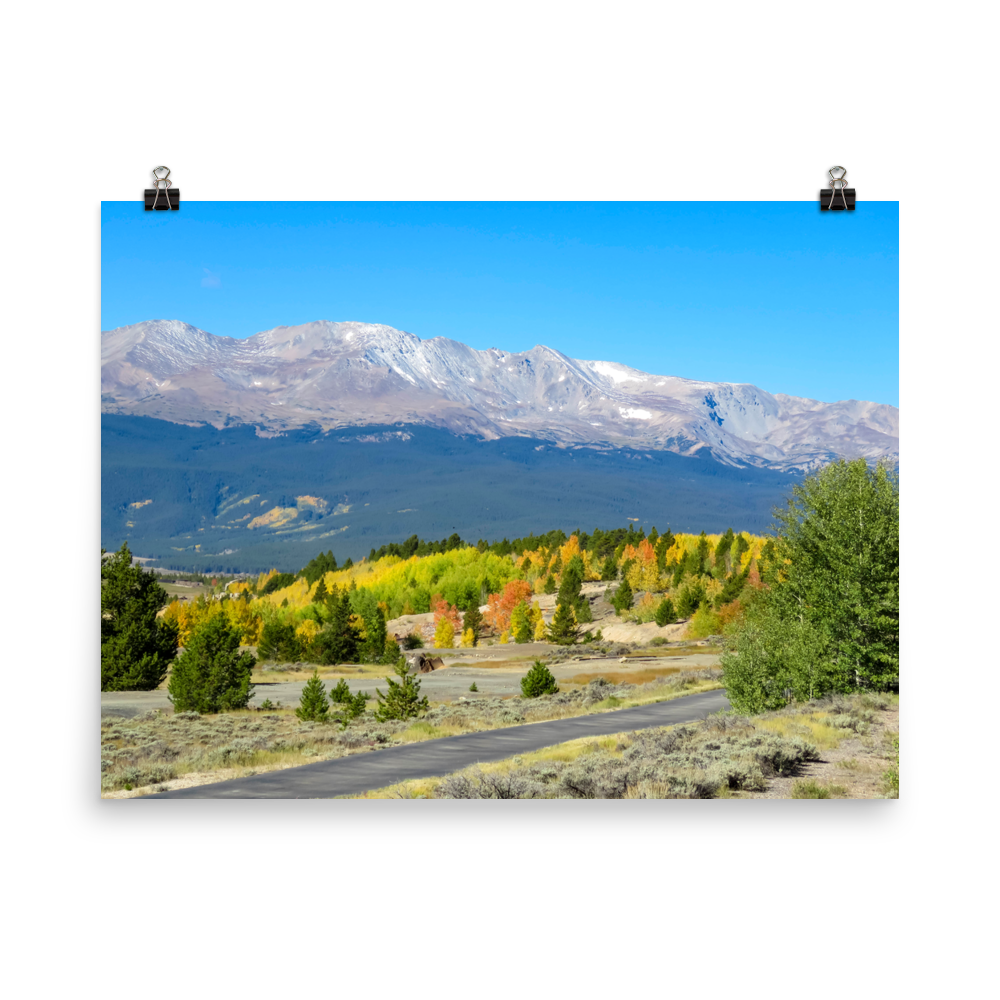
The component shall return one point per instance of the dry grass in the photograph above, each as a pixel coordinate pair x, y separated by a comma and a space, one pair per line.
811, 727
563, 753
637, 676
675, 651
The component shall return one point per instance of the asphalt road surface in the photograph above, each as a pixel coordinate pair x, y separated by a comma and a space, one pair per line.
362, 772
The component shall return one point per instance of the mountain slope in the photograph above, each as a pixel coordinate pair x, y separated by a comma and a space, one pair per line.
356, 374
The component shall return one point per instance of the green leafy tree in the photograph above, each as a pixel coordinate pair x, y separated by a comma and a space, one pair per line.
830, 618
520, 623
338, 641
314, 706
564, 629
212, 675
665, 613
402, 699
537, 681
838, 541
136, 646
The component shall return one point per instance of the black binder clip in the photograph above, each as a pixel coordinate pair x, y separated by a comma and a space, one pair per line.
162, 197
839, 198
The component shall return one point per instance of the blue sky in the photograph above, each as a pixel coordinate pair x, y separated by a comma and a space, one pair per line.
773, 293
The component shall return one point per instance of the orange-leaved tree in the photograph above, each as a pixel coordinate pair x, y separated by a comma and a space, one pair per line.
500, 606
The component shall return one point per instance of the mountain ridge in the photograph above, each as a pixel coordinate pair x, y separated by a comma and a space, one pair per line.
345, 374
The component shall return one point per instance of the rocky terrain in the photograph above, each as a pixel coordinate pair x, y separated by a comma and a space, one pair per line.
334, 375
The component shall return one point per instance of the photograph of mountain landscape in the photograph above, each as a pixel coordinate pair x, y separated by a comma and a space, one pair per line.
564, 470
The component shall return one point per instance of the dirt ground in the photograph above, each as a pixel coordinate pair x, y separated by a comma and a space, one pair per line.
856, 766
605, 619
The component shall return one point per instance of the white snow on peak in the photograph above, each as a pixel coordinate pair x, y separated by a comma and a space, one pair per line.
614, 371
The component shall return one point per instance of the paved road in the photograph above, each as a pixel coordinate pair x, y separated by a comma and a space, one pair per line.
441, 685
359, 773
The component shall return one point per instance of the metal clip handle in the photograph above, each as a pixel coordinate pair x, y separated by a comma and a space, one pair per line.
161, 184
838, 184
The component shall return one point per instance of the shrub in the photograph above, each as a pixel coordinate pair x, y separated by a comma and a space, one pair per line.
473, 687
538, 681
813, 790
891, 777
413, 641
704, 622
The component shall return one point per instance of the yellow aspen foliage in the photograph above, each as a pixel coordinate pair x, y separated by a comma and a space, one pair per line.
306, 631
538, 623
468, 639
643, 574
358, 624
444, 634
504, 638
570, 549
591, 566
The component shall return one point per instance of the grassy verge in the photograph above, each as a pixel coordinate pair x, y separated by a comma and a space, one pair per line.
158, 749
726, 756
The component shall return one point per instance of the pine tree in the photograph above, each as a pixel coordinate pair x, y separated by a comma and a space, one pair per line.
537, 681
622, 600
665, 614
609, 571
520, 623
402, 699
212, 675
338, 641
473, 619
341, 693
136, 646
550, 584
319, 597
563, 629
314, 705
278, 642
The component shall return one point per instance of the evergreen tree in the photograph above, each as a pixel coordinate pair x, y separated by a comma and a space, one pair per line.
402, 699
665, 614
338, 641
690, 599
563, 629
550, 584
520, 623
701, 559
313, 704
623, 597
473, 618
278, 642
537, 681
212, 675
340, 694
609, 571
319, 597
136, 646
733, 587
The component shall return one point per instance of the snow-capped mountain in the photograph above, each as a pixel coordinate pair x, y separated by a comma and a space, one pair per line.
337, 374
